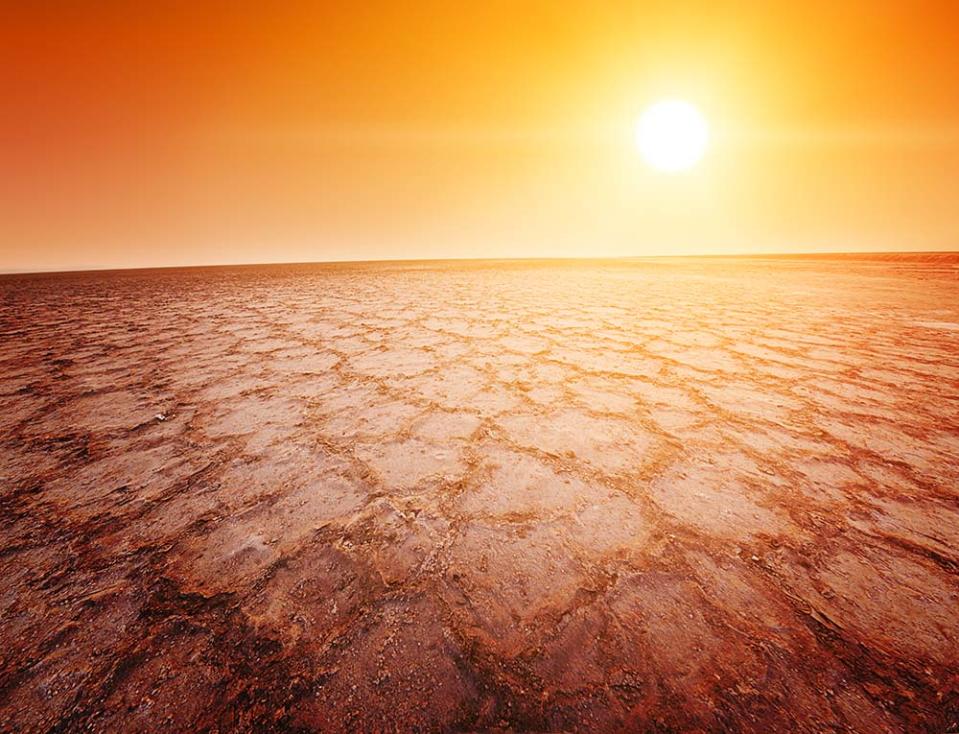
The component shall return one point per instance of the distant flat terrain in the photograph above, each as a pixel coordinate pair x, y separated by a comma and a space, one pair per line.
694, 494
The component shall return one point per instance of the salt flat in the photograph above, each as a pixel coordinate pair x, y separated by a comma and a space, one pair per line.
652, 495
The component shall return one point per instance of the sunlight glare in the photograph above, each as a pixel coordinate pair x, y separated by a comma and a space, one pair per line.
672, 135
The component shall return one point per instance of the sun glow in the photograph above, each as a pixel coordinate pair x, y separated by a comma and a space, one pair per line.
672, 135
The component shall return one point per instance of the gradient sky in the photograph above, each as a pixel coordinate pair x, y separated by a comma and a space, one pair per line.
141, 134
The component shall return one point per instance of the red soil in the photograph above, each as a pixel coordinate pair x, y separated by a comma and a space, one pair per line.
677, 495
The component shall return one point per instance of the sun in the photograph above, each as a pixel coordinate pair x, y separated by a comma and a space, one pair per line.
672, 135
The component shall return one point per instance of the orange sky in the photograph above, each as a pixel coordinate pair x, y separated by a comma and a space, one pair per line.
225, 131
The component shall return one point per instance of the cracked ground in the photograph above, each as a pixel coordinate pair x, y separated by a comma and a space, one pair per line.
666, 495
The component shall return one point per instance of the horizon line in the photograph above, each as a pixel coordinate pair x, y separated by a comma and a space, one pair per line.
821, 254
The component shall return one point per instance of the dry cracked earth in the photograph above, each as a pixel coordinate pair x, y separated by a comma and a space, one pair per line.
647, 496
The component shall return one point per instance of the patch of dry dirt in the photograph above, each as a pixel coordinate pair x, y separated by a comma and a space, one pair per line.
688, 495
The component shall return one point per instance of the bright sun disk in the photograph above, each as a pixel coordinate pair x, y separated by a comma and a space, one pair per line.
672, 135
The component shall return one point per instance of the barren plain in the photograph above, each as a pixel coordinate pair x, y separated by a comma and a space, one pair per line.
654, 495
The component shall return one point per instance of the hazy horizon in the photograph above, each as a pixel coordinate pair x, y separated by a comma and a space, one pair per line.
758, 255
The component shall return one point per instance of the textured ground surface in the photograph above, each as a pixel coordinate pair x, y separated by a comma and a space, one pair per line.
656, 496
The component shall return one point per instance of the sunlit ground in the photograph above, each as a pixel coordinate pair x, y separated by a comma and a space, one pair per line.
689, 495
